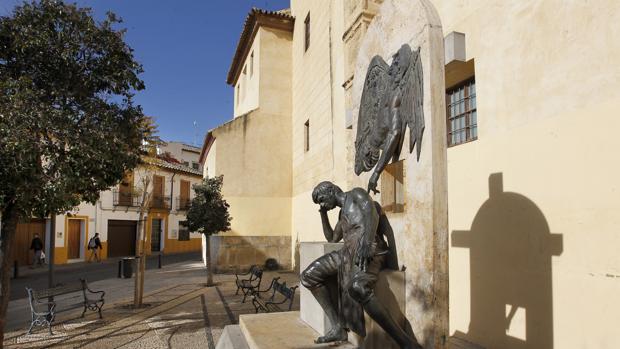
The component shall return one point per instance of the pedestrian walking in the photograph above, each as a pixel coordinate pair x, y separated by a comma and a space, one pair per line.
94, 245
37, 246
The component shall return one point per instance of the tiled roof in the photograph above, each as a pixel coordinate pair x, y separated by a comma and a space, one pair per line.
276, 19
176, 167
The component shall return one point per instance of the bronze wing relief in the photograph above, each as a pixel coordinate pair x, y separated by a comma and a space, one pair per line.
392, 99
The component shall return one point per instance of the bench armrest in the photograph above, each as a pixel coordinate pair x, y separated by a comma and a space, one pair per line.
268, 288
102, 293
38, 303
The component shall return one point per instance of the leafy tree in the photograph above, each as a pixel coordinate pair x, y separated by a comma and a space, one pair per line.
208, 214
68, 125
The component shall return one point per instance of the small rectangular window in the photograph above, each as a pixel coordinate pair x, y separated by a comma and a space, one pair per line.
307, 135
252, 63
462, 116
307, 32
392, 187
183, 231
195, 165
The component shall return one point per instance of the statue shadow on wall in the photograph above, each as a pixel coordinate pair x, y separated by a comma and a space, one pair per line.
510, 250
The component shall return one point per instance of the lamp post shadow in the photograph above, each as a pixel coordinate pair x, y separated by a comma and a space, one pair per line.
510, 249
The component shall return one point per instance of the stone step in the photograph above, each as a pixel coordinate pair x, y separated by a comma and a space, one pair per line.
460, 343
232, 338
281, 330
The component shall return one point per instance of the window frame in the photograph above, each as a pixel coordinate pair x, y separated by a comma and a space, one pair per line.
467, 111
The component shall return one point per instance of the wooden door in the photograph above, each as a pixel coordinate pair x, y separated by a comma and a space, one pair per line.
156, 227
23, 238
74, 234
184, 197
121, 238
157, 200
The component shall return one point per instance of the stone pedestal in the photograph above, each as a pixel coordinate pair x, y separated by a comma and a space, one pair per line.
390, 290
311, 311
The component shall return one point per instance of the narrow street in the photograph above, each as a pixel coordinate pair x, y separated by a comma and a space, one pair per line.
38, 278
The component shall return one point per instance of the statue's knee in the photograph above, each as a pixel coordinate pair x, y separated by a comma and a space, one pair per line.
307, 280
360, 292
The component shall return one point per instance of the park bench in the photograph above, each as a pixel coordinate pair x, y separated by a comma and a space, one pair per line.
249, 284
44, 312
273, 299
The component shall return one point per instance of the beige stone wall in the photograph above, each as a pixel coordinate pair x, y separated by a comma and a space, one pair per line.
318, 75
253, 152
246, 88
534, 201
234, 253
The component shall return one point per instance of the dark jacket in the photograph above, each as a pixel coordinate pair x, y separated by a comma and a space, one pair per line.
36, 244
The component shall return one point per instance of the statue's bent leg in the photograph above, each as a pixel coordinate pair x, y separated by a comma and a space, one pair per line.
314, 278
362, 290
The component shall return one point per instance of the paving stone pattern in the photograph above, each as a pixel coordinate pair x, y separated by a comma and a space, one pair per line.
182, 313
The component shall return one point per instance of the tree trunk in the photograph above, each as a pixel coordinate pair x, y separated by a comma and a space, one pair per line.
139, 278
141, 263
209, 264
9, 226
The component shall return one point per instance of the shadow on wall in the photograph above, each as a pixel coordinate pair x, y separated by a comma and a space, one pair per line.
510, 249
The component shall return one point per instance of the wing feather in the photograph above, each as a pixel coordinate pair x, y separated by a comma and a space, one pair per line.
366, 153
412, 107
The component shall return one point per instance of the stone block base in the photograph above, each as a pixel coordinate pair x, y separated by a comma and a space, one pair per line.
281, 330
232, 338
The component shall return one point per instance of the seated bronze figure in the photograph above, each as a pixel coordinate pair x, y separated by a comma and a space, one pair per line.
356, 265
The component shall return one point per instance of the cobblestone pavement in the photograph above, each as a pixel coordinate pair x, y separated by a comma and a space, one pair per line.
181, 313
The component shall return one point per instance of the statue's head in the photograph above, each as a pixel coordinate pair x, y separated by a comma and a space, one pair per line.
324, 194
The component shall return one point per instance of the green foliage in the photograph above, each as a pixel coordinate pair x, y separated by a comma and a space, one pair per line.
208, 213
68, 125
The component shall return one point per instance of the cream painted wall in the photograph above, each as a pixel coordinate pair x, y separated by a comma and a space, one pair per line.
247, 99
210, 170
318, 96
546, 243
275, 70
253, 151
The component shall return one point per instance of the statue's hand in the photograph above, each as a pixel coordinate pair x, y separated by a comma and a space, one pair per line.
365, 253
372, 183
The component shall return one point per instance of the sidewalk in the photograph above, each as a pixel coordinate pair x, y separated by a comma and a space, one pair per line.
182, 313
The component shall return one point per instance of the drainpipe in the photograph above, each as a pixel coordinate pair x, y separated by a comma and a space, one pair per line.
172, 189
171, 202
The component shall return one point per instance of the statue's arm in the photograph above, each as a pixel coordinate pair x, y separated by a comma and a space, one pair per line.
391, 142
327, 227
337, 232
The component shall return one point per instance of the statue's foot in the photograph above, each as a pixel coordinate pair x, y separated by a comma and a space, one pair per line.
334, 335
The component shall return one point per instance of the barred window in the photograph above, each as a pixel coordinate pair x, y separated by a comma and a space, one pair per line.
461, 111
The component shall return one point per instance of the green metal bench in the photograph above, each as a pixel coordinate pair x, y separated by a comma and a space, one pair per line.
44, 312
273, 299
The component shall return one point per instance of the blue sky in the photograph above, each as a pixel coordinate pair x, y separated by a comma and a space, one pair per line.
186, 47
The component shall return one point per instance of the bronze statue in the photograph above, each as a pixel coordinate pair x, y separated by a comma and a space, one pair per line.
362, 225
391, 101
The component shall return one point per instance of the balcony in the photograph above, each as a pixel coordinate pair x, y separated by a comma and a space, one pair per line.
160, 201
125, 198
183, 203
